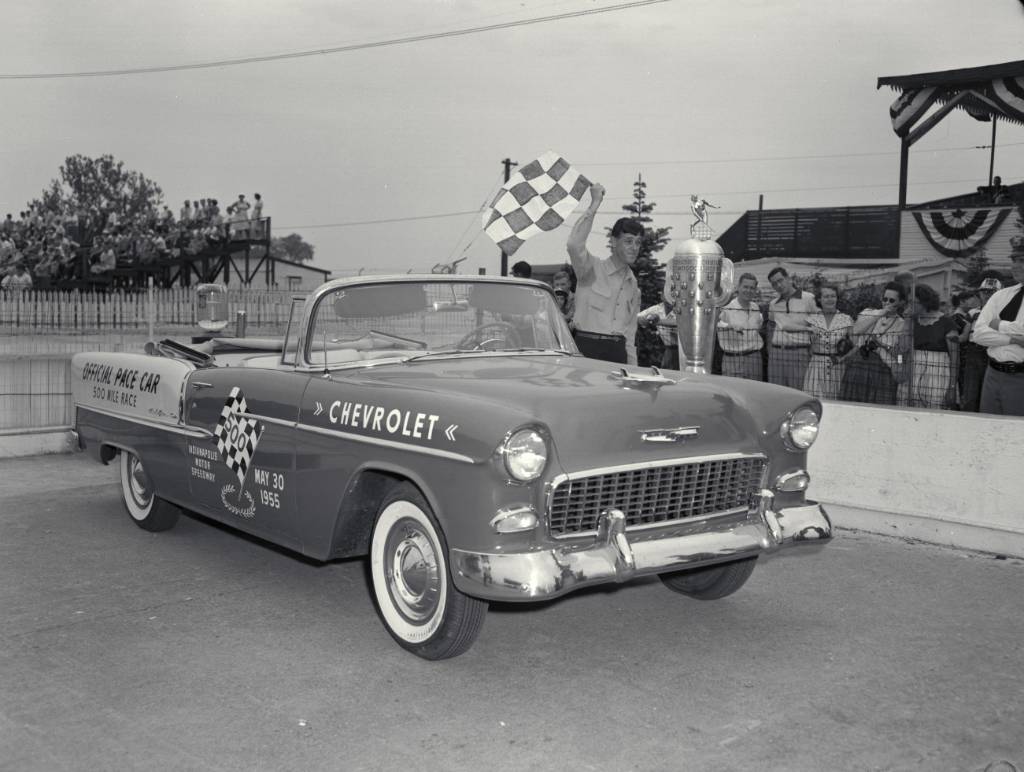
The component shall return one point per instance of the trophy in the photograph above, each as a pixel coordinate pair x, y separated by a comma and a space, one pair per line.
699, 282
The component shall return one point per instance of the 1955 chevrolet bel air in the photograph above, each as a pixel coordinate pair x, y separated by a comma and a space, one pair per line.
448, 427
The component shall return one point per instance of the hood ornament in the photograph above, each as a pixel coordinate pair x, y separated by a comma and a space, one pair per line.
654, 378
678, 434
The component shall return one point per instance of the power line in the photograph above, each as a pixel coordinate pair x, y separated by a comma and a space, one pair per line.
332, 50
442, 215
784, 157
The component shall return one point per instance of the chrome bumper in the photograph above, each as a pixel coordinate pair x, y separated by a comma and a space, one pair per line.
616, 556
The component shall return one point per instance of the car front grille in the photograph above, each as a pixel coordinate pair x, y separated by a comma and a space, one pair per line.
651, 495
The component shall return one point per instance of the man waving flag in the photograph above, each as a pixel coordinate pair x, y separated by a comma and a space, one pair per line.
536, 198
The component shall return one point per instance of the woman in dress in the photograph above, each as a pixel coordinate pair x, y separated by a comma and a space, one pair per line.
828, 327
875, 366
936, 346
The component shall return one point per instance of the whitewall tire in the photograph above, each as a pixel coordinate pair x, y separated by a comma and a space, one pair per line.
145, 508
417, 601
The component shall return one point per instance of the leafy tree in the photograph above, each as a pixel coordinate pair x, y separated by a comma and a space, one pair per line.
649, 274
103, 183
291, 247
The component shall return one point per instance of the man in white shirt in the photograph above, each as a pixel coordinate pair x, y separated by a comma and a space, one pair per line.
791, 338
1000, 328
607, 293
739, 332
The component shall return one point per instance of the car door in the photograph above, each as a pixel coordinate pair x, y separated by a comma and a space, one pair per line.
243, 472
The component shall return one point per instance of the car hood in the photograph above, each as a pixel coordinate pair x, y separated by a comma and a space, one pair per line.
593, 412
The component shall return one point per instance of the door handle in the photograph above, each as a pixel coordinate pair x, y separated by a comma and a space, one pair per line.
201, 385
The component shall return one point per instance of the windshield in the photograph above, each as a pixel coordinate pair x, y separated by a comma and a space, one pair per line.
416, 318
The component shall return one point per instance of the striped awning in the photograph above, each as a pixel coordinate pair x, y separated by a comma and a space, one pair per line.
995, 90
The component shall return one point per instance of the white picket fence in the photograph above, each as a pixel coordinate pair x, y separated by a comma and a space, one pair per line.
75, 312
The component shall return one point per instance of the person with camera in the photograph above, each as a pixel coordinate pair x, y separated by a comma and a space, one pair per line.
875, 366
829, 329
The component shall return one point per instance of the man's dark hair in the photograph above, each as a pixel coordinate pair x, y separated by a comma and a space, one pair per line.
961, 297
522, 269
744, 276
775, 270
627, 225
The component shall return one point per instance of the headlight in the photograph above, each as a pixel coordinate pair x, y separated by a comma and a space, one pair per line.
801, 429
525, 454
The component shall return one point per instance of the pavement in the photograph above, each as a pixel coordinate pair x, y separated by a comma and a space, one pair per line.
202, 649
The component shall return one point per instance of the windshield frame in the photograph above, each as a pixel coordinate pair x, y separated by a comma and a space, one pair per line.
326, 292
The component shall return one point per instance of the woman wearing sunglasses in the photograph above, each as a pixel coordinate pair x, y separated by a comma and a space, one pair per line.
876, 365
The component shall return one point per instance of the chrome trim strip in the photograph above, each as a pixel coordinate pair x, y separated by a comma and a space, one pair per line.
559, 479
386, 443
269, 420
187, 431
662, 524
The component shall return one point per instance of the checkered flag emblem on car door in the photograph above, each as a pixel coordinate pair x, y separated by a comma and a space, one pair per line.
536, 198
237, 436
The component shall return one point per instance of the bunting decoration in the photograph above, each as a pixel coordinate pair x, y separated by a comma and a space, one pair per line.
536, 198
959, 233
909, 108
1008, 93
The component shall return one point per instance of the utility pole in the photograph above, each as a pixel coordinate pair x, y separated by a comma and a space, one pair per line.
508, 164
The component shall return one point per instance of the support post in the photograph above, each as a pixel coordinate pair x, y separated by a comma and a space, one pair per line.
992, 154
904, 163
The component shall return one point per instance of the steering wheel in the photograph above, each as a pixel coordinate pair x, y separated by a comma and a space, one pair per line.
491, 332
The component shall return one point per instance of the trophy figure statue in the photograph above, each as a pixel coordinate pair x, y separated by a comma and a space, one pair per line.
699, 281
699, 228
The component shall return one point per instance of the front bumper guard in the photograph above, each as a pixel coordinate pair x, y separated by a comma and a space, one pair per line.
615, 556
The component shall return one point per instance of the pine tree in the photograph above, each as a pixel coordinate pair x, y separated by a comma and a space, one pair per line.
649, 274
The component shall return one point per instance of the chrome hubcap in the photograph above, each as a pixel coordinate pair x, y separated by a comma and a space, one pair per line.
138, 482
412, 571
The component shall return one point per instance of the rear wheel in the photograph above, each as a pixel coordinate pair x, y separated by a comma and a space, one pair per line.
418, 603
146, 510
712, 582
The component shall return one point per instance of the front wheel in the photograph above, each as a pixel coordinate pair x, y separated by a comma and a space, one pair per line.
146, 510
712, 582
418, 603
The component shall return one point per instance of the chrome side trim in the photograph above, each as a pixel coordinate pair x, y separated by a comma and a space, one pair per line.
269, 420
187, 431
386, 443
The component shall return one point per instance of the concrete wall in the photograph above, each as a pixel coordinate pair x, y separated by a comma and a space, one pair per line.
947, 478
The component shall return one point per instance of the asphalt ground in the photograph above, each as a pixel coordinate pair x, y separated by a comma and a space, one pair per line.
202, 649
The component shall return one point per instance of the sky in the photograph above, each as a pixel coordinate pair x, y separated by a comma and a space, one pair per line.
383, 156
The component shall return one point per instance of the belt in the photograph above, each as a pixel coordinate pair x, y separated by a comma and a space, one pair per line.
740, 353
776, 345
599, 335
1013, 368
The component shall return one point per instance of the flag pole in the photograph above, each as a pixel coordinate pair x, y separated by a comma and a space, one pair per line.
508, 164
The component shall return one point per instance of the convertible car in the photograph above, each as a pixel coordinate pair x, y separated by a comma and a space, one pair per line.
448, 427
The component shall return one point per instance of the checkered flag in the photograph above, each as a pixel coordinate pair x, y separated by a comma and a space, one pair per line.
237, 435
536, 198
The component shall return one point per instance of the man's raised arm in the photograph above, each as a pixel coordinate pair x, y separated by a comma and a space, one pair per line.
577, 243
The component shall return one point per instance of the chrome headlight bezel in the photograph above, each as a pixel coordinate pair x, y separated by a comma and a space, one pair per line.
800, 429
525, 454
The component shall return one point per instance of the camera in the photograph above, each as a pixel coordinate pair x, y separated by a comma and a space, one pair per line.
869, 347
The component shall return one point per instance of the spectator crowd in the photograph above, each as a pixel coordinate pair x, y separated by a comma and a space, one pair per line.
45, 247
903, 346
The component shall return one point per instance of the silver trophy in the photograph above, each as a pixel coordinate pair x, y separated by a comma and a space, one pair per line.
699, 282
